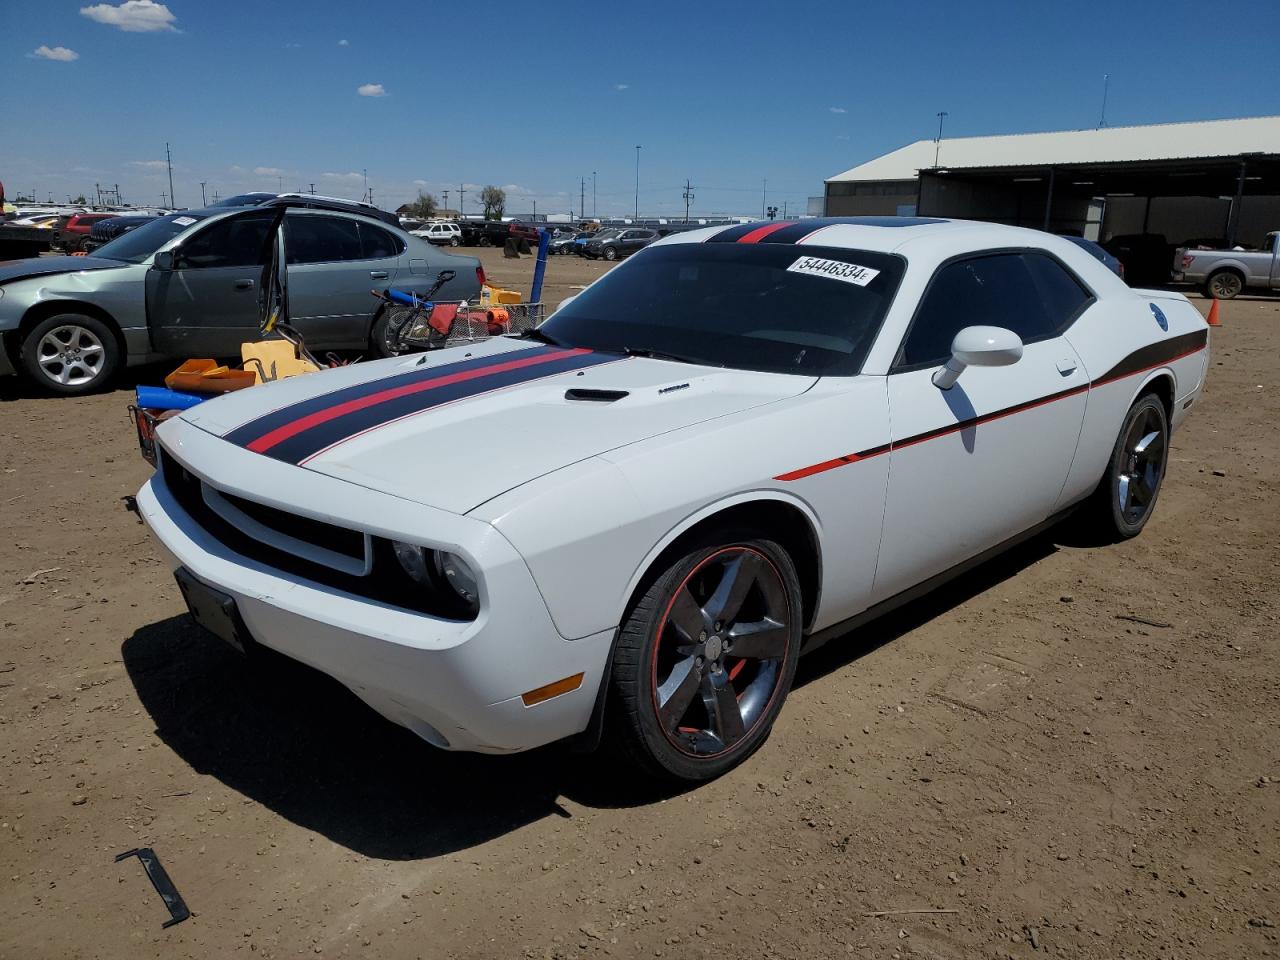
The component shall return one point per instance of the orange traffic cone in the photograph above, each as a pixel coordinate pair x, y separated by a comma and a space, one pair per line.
1212, 319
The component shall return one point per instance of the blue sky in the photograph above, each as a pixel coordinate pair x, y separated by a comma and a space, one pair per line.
532, 96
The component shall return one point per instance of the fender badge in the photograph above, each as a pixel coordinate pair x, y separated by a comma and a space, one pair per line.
678, 386
1160, 317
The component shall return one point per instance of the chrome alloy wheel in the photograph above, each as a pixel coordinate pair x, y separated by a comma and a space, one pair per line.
717, 661
71, 355
1141, 467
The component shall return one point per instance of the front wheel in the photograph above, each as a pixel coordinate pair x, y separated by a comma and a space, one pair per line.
1126, 497
706, 658
610, 253
70, 353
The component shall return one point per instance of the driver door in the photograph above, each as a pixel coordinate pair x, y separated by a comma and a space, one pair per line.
975, 465
207, 305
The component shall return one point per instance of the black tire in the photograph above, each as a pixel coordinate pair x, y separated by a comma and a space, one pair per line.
484, 242
386, 326
70, 353
455, 242
611, 253
704, 681
1116, 514
1223, 285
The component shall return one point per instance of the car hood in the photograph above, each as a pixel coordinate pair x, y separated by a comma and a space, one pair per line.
41, 266
469, 434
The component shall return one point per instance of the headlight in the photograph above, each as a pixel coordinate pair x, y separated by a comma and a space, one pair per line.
443, 572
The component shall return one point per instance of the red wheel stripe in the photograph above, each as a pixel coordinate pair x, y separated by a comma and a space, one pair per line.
280, 434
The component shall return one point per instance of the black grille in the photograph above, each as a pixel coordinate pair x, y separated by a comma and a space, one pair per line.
386, 580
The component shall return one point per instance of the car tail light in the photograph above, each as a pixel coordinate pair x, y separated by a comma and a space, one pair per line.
1187, 258
480, 275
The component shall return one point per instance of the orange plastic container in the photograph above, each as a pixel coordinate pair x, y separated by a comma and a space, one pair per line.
208, 376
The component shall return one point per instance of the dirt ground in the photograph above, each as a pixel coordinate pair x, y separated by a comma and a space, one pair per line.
1010, 767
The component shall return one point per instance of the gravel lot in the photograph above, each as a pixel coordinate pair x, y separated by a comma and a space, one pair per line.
1012, 753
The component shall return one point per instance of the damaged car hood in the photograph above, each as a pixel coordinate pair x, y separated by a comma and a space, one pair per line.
42, 266
455, 428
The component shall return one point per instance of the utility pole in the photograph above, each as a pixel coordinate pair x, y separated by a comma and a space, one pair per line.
462, 193
371, 196
593, 195
98, 189
164, 200
688, 198
1106, 81
364, 172
446, 198
313, 189
203, 201
169, 160
784, 209
582, 197
535, 211
637, 181
764, 196
280, 184
937, 144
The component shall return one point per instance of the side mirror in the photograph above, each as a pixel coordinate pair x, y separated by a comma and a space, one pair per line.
978, 347
163, 260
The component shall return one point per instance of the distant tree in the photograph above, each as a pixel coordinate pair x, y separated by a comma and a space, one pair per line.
424, 207
495, 202
80, 199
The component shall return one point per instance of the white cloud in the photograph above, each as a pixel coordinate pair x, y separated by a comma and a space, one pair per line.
421, 183
135, 16
842, 136
293, 46
513, 188
621, 86
344, 176
150, 164
371, 90
837, 109
236, 168
65, 54
268, 171
344, 43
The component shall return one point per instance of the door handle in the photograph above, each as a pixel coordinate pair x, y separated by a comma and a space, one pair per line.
378, 274
244, 284
1066, 367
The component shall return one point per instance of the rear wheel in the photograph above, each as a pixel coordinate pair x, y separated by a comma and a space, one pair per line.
70, 353
611, 253
1224, 285
1126, 497
454, 241
706, 658
385, 335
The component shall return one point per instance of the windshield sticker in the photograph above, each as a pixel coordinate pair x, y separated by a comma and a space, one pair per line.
184, 221
835, 270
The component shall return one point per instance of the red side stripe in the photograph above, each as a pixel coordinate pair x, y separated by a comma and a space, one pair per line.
280, 434
977, 421
755, 236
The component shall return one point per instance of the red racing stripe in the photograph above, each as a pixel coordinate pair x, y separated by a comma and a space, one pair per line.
758, 234
280, 434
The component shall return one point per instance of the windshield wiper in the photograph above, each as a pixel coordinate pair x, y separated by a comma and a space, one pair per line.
664, 355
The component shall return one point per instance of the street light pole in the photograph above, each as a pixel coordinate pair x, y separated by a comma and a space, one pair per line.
169, 160
637, 181
937, 144
593, 194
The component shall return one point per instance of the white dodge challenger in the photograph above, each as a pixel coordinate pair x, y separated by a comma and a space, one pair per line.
629, 523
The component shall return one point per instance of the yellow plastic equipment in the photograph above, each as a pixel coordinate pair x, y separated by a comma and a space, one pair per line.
274, 360
490, 295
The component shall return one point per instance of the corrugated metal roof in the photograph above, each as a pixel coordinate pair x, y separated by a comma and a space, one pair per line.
1161, 141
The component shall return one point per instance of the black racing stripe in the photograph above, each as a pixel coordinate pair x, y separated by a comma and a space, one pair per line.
1154, 355
248, 432
734, 234
789, 234
298, 448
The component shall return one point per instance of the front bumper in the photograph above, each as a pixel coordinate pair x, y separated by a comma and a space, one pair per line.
456, 684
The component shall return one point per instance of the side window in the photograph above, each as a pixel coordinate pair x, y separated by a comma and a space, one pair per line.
1062, 294
314, 239
995, 291
379, 244
233, 242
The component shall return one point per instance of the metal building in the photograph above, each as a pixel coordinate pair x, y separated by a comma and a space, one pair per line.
1213, 181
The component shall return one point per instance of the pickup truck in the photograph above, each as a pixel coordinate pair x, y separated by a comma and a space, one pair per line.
1225, 273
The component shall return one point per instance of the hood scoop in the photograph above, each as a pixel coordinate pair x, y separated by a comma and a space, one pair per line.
591, 395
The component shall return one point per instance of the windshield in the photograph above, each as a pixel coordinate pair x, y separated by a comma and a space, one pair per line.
136, 245
768, 307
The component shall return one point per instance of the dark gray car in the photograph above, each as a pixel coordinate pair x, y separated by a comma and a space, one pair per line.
186, 285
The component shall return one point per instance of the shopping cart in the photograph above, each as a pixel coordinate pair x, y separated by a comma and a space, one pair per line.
420, 323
